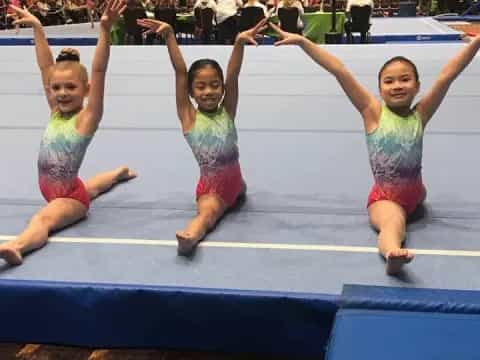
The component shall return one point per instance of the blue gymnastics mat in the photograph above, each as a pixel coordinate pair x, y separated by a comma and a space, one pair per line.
377, 322
447, 17
395, 335
269, 278
58, 35
411, 30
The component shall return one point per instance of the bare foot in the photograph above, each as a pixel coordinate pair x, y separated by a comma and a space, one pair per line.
10, 255
187, 242
396, 259
124, 174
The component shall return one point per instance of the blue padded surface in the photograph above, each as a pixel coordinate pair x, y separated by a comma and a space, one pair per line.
472, 18
382, 39
303, 154
113, 315
410, 29
427, 300
61, 35
4, 41
395, 335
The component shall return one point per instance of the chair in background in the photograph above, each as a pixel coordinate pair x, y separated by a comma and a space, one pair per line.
340, 5
227, 30
204, 25
133, 31
3, 14
359, 21
311, 9
289, 19
167, 15
249, 17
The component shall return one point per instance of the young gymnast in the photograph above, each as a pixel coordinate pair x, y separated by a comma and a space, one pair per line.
209, 129
394, 132
69, 131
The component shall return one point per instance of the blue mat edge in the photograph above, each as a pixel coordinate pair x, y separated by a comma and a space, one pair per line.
376, 39
14, 41
473, 18
410, 299
410, 303
112, 315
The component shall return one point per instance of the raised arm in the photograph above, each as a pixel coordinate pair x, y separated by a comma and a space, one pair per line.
43, 53
235, 64
93, 112
185, 109
361, 98
430, 102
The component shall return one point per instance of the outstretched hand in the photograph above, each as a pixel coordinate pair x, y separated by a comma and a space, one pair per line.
286, 38
24, 17
112, 12
248, 36
155, 26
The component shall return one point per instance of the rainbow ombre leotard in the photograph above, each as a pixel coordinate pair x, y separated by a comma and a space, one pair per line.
395, 150
213, 140
61, 153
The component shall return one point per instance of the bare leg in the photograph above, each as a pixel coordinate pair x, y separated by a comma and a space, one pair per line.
58, 214
390, 219
104, 181
209, 209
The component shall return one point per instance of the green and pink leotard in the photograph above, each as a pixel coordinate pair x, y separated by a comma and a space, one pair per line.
395, 150
61, 153
213, 140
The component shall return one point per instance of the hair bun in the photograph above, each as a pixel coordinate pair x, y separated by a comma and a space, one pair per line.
68, 55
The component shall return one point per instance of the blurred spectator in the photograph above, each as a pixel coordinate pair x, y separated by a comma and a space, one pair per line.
202, 4
76, 10
351, 3
227, 20
256, 3
296, 4
133, 31
55, 12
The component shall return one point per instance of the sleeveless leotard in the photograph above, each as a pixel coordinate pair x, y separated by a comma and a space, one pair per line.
213, 140
395, 151
61, 153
